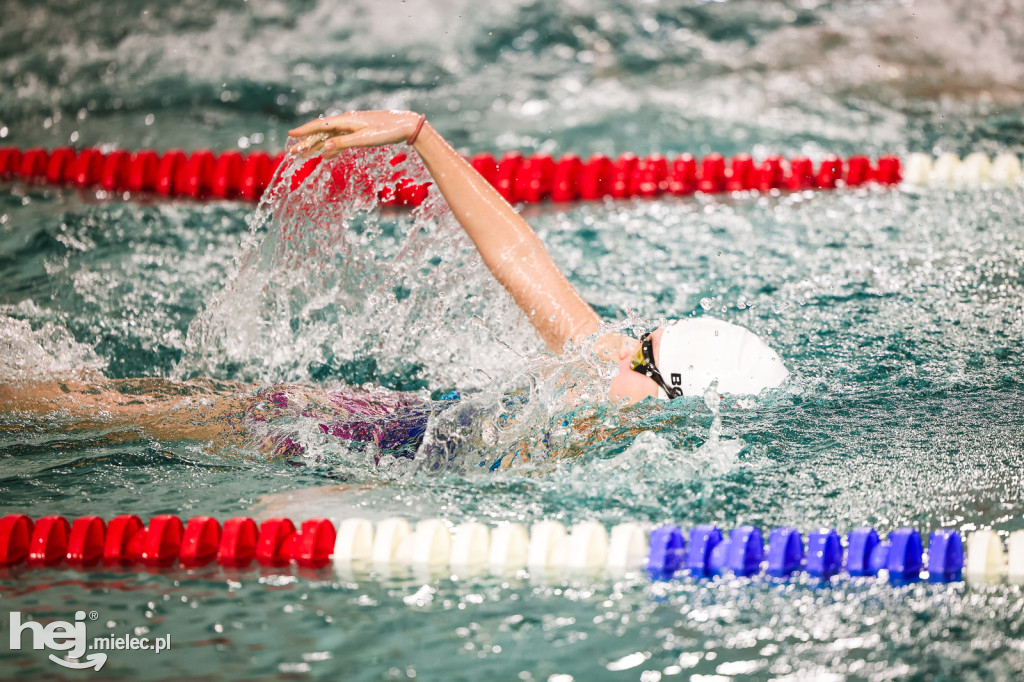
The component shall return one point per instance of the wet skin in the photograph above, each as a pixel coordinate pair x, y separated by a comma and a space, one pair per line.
629, 385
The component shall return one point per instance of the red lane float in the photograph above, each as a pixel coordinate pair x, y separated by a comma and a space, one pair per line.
485, 165
49, 540
33, 164
167, 172
858, 170
271, 545
652, 176
505, 175
740, 175
238, 542
565, 179
86, 169
227, 174
770, 174
85, 546
890, 171
195, 177
257, 171
830, 172
200, 541
518, 178
52, 541
57, 168
119, 535
801, 174
15, 538
621, 181
10, 162
594, 182
683, 178
712, 174
533, 181
114, 174
142, 171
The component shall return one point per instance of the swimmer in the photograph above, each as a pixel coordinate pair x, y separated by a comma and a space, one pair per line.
680, 359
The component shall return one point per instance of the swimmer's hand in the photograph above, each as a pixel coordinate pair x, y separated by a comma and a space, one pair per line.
327, 136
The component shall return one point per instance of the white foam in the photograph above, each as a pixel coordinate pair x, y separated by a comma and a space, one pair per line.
47, 352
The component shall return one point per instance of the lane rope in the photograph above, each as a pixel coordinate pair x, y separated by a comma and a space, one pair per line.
520, 179
358, 546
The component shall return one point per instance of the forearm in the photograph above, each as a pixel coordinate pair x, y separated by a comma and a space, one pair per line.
508, 245
149, 408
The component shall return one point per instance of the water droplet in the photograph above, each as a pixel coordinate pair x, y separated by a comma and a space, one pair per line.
706, 303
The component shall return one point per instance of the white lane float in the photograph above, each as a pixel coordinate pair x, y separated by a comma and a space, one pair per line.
510, 548
628, 547
587, 546
984, 559
471, 545
1015, 557
431, 544
387, 540
975, 170
547, 545
354, 541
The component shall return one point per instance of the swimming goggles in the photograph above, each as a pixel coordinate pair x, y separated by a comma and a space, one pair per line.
643, 363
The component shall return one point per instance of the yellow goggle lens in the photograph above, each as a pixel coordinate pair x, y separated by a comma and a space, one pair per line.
638, 357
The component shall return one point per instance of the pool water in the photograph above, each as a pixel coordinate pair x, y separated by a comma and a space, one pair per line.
898, 312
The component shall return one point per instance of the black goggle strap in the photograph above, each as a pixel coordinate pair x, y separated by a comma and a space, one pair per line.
647, 367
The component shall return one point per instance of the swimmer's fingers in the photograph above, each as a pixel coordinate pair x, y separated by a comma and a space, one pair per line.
308, 140
354, 129
309, 145
368, 137
343, 123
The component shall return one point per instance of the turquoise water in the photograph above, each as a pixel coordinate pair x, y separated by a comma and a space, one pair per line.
897, 311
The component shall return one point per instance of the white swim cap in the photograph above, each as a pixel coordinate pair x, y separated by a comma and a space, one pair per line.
696, 352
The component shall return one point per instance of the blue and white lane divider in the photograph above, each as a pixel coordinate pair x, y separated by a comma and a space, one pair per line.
666, 552
974, 170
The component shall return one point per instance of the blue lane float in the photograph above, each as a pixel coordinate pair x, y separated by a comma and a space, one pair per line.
667, 552
945, 555
824, 553
743, 553
902, 555
740, 554
703, 540
785, 551
861, 544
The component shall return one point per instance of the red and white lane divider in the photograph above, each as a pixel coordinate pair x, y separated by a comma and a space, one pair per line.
520, 179
436, 547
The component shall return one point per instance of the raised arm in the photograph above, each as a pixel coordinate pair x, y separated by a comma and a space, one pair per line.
510, 248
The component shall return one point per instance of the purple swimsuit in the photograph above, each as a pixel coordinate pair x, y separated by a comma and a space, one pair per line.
394, 422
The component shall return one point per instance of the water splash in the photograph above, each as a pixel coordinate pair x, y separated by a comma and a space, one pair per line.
46, 352
553, 417
719, 453
330, 288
